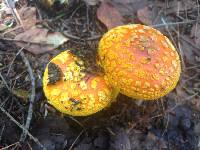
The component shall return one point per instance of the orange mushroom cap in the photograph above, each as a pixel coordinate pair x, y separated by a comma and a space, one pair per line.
140, 61
72, 91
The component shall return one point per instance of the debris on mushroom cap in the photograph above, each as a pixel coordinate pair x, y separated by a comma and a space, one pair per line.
140, 61
72, 91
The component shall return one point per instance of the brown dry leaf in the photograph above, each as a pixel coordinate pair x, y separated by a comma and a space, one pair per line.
28, 17
109, 15
145, 15
38, 41
3, 27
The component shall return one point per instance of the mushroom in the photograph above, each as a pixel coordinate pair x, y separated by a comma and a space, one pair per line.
140, 61
72, 91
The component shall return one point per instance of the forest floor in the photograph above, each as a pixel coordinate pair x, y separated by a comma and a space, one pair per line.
26, 46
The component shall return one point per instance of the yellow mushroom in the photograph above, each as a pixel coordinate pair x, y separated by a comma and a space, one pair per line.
72, 91
140, 61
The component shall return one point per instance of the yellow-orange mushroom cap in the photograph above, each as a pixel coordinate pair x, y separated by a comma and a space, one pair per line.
140, 61
73, 91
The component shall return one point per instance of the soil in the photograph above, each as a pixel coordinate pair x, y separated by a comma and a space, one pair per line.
171, 123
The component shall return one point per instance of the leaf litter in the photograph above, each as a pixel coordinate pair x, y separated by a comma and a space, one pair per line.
34, 39
109, 15
171, 122
40, 40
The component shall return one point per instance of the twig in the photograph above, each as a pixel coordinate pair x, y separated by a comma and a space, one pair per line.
178, 36
22, 127
95, 37
184, 100
110, 131
9, 146
87, 16
166, 126
76, 140
198, 13
4, 81
192, 67
164, 113
14, 60
167, 28
32, 97
74, 12
2, 130
68, 35
10, 30
28, 42
80, 124
71, 36
173, 23
186, 40
11, 4
180, 50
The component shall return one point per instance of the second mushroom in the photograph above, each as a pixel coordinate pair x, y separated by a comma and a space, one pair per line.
71, 90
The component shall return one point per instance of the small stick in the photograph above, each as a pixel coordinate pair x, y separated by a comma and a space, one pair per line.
22, 127
32, 97
4, 81
178, 35
11, 5
13, 60
172, 23
76, 140
7, 147
180, 50
2, 130
80, 124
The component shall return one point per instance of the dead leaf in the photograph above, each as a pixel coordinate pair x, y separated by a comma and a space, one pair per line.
56, 38
3, 27
109, 15
28, 17
145, 15
38, 41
